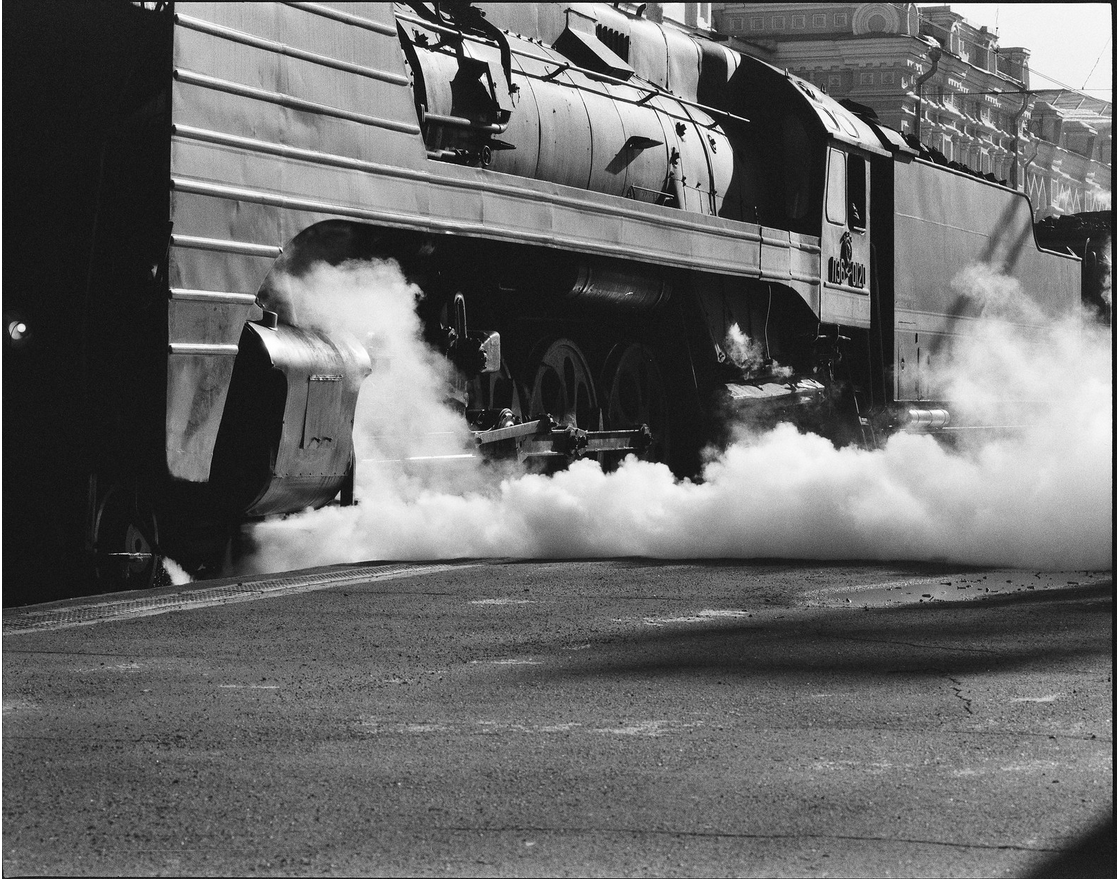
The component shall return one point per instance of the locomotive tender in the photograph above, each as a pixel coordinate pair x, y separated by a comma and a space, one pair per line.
644, 227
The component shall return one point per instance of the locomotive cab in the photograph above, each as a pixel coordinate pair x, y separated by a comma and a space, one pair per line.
846, 240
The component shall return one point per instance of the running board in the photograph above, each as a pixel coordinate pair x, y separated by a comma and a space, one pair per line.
544, 438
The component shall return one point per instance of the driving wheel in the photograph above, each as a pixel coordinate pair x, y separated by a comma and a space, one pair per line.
125, 541
636, 396
563, 387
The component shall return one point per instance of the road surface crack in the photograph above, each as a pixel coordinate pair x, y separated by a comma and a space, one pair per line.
958, 691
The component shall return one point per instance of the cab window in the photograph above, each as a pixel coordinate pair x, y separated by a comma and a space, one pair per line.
835, 208
857, 193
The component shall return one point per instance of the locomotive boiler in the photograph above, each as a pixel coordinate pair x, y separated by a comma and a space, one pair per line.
623, 231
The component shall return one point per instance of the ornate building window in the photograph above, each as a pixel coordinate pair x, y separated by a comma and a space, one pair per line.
887, 79
840, 19
799, 21
820, 20
955, 45
778, 23
867, 79
876, 18
758, 24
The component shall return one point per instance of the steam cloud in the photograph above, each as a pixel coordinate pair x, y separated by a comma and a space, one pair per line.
1040, 499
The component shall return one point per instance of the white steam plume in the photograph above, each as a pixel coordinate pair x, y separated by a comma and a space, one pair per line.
1041, 498
1106, 268
176, 575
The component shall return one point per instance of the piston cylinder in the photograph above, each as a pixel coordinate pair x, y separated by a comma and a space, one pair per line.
617, 288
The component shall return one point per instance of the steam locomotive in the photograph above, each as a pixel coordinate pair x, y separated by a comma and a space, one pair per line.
622, 230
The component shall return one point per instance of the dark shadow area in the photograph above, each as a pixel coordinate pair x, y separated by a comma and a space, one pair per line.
997, 634
899, 567
1091, 857
1005, 228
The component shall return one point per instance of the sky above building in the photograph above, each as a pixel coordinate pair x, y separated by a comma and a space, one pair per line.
1071, 44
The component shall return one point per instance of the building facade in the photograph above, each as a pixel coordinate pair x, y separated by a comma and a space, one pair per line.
1067, 162
931, 73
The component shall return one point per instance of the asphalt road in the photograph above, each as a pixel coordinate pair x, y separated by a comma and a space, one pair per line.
619, 717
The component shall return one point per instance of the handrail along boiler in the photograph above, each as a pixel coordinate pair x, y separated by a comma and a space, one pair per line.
645, 228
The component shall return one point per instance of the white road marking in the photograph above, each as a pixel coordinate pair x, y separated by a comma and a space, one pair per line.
652, 728
703, 616
122, 666
247, 687
501, 601
505, 662
861, 765
19, 621
1032, 766
19, 705
373, 724
649, 728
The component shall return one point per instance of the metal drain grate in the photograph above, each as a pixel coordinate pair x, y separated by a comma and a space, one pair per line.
20, 622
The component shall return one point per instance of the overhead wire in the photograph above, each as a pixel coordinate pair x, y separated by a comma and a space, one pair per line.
1095, 63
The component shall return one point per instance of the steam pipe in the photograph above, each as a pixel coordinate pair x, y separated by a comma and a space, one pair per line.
460, 122
919, 419
1015, 144
934, 56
